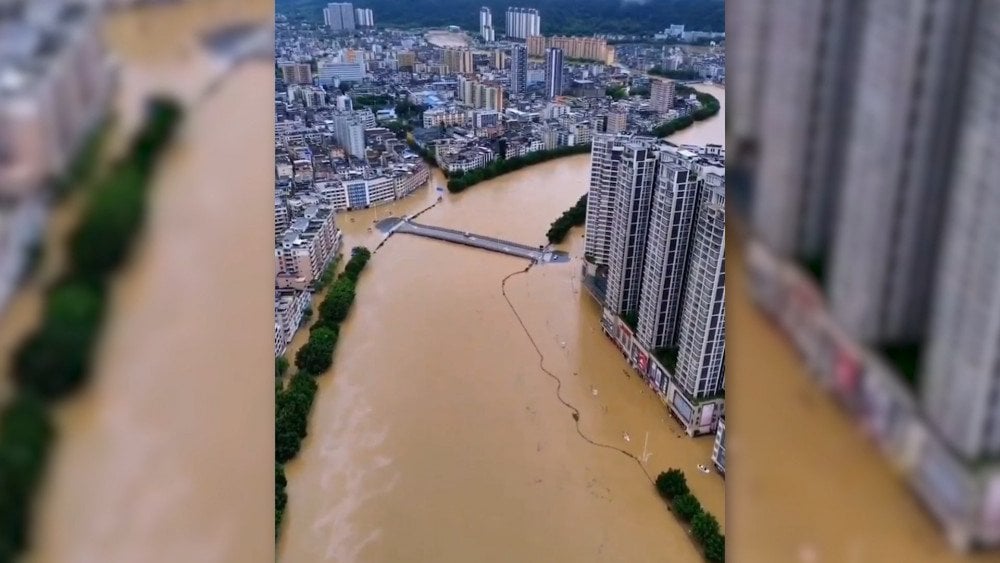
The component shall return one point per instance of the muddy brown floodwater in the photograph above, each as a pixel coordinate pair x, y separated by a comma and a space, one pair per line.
436, 437
166, 456
805, 484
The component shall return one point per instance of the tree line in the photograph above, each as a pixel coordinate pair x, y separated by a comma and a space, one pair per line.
673, 488
292, 403
560, 17
572, 217
674, 74
53, 362
459, 181
709, 107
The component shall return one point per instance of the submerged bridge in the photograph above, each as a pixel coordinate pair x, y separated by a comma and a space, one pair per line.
536, 254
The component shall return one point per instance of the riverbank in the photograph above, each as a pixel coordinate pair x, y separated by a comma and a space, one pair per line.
460, 181
293, 402
439, 408
54, 362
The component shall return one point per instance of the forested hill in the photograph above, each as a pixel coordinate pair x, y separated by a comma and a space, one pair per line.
569, 17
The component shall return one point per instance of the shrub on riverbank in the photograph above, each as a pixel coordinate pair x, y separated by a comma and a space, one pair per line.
26, 434
501, 166
709, 107
673, 488
54, 360
572, 217
293, 403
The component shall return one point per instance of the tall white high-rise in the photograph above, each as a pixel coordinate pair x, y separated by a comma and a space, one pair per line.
553, 72
960, 383
339, 16
671, 219
605, 160
701, 339
518, 69
364, 17
636, 179
486, 24
806, 100
523, 23
898, 162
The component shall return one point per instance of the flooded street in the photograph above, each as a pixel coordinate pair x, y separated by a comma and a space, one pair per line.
164, 456
850, 506
437, 437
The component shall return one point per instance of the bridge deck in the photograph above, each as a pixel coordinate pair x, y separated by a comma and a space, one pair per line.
395, 225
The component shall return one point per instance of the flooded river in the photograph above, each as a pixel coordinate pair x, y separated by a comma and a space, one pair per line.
165, 457
437, 437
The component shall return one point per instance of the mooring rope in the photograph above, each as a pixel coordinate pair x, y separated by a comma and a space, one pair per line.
541, 365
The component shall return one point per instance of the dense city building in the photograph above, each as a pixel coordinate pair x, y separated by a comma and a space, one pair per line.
661, 95
339, 16
523, 23
553, 73
363, 17
579, 48
486, 31
458, 61
296, 73
518, 69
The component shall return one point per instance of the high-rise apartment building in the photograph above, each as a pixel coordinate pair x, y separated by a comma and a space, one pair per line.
897, 167
553, 73
339, 16
661, 95
701, 339
605, 160
486, 25
349, 131
672, 215
585, 48
523, 23
806, 102
458, 61
636, 178
364, 17
961, 376
296, 73
518, 69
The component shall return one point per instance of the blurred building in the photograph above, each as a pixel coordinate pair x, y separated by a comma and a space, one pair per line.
296, 73
582, 48
363, 17
553, 73
874, 214
523, 23
897, 167
56, 81
458, 61
719, 449
961, 379
486, 25
339, 16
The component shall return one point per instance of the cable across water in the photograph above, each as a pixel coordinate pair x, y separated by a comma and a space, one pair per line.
541, 365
